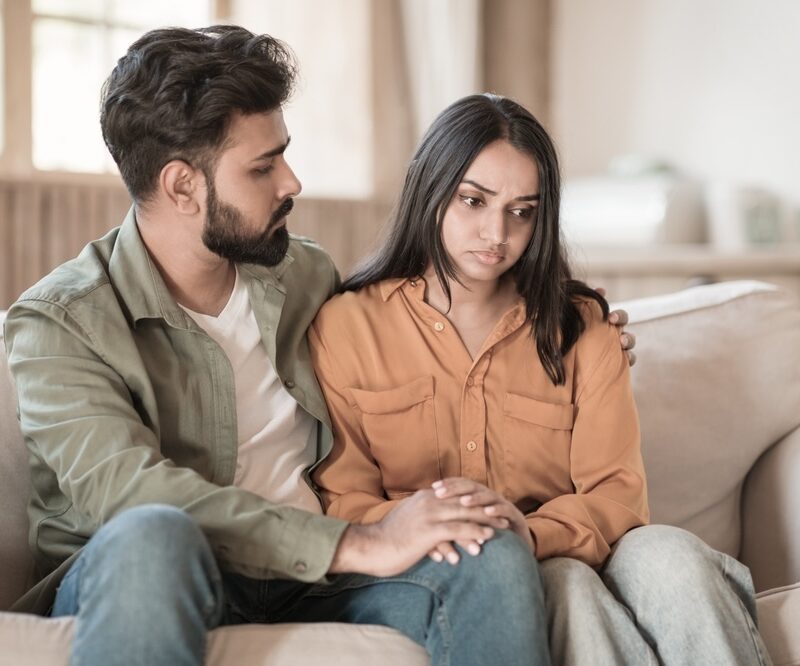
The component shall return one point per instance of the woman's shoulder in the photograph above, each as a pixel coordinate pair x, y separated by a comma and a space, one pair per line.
598, 333
350, 309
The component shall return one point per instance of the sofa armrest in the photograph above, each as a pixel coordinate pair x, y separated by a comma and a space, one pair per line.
771, 515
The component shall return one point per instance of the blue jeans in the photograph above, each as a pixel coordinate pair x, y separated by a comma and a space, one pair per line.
146, 589
663, 597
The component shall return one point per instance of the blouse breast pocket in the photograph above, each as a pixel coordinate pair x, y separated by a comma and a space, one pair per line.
537, 437
400, 427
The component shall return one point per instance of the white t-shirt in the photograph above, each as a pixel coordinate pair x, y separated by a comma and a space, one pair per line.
277, 437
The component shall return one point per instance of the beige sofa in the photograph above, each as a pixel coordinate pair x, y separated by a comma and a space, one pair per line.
718, 388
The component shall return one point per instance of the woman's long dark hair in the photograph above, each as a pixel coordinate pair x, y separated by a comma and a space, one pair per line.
414, 238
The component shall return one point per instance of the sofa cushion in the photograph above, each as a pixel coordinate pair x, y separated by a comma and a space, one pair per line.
715, 385
16, 563
778, 622
28, 640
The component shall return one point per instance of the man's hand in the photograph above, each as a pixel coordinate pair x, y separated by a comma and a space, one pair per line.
472, 494
620, 318
410, 531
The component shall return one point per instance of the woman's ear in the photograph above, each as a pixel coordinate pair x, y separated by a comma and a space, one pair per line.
184, 186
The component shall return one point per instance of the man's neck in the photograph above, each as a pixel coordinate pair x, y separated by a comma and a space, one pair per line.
196, 277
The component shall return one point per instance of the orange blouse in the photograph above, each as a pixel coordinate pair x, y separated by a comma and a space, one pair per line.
409, 406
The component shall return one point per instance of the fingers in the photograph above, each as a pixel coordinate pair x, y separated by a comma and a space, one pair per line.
628, 340
618, 318
452, 510
516, 519
631, 358
454, 486
601, 291
483, 497
445, 552
463, 532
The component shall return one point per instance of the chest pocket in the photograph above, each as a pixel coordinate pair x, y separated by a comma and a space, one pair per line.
400, 427
537, 438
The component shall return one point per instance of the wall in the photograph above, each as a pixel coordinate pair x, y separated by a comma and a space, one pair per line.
711, 86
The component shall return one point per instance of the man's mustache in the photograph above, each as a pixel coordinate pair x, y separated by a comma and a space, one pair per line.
283, 211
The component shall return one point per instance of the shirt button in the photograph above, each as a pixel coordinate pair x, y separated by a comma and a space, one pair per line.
300, 567
438, 326
289, 384
470, 381
471, 446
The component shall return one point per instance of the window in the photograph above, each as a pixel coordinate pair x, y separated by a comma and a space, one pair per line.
75, 45
331, 114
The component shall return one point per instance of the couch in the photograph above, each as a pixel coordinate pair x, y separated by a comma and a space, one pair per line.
718, 389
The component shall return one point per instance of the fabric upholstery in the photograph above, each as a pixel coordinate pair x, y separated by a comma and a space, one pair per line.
716, 386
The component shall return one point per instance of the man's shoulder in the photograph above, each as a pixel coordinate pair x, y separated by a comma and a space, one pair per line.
309, 254
310, 268
76, 280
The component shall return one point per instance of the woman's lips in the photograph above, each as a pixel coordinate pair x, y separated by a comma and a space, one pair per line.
488, 258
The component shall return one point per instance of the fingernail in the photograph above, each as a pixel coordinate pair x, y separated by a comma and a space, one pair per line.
489, 510
440, 492
488, 532
437, 484
625, 340
465, 500
474, 549
453, 558
481, 541
612, 318
437, 557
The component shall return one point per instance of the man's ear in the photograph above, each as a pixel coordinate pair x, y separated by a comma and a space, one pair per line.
184, 186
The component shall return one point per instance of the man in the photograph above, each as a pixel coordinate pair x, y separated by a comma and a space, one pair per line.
173, 417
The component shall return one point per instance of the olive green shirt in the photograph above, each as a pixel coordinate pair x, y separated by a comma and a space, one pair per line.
124, 400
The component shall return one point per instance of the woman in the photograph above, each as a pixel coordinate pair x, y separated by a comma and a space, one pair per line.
463, 357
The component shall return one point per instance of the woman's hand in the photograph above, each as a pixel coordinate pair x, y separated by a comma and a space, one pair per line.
472, 494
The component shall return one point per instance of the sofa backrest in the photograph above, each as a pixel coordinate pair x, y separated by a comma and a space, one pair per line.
16, 564
717, 383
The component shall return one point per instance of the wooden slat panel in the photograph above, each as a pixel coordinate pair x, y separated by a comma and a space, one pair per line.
45, 224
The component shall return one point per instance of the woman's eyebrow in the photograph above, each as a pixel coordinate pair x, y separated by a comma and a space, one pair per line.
526, 197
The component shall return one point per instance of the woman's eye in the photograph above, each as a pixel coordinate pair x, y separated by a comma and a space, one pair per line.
472, 202
524, 213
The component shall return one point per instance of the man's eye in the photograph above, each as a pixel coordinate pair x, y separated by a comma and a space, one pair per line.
472, 202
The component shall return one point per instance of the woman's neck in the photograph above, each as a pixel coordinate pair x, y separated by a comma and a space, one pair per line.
471, 296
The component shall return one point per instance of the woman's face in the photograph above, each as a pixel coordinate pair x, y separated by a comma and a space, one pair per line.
490, 220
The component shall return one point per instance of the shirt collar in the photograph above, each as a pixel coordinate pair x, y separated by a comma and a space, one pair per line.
391, 285
142, 289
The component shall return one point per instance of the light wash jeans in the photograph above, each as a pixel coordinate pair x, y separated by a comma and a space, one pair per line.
146, 589
663, 597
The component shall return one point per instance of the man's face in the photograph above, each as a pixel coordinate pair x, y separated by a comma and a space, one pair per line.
250, 193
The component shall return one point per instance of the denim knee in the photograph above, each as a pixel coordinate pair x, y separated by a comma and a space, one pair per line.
667, 561
566, 577
505, 562
151, 533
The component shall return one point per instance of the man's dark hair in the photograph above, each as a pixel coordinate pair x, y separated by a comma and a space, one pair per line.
172, 96
414, 238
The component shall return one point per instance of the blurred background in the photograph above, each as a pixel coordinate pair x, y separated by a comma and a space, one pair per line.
677, 122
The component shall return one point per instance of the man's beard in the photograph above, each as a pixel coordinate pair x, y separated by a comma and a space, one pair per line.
225, 233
